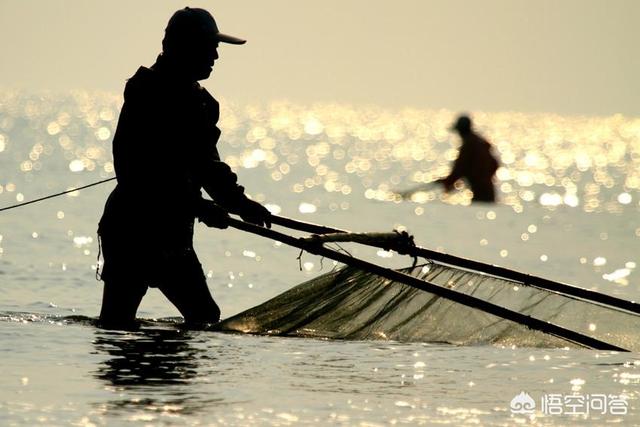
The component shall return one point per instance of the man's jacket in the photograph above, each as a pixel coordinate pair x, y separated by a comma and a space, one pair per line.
477, 165
164, 152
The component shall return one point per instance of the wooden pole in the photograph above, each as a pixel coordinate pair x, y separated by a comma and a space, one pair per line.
458, 297
493, 270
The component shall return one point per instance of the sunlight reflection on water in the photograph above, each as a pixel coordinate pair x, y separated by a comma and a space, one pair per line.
563, 180
583, 162
331, 156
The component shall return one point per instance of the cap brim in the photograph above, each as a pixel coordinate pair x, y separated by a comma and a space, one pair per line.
226, 38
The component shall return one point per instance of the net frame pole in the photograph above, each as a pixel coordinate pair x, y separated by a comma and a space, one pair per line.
491, 269
450, 294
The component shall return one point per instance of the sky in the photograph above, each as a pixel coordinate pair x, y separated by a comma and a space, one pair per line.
573, 57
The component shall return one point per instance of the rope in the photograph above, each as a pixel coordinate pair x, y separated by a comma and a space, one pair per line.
51, 196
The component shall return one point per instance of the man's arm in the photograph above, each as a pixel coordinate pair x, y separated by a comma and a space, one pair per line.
219, 181
459, 169
222, 185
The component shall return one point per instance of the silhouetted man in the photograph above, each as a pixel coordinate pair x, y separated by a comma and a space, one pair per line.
164, 153
475, 163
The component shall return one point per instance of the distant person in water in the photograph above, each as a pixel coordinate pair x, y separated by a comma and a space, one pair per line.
165, 153
476, 164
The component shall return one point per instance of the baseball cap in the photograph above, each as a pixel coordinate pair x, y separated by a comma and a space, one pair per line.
192, 22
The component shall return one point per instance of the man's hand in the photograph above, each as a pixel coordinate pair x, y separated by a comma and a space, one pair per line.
212, 214
255, 213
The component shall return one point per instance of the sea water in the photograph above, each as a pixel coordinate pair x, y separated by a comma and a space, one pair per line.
568, 211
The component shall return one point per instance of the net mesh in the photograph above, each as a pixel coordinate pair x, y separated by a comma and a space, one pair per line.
352, 304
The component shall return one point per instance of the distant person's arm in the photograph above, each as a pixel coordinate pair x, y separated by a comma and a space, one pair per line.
459, 169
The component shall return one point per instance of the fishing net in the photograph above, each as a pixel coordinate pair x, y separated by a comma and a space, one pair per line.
352, 304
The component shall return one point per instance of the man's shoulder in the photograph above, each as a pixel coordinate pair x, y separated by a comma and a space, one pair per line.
476, 139
143, 73
143, 81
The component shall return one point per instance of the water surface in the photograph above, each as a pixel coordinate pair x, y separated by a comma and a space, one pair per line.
569, 212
